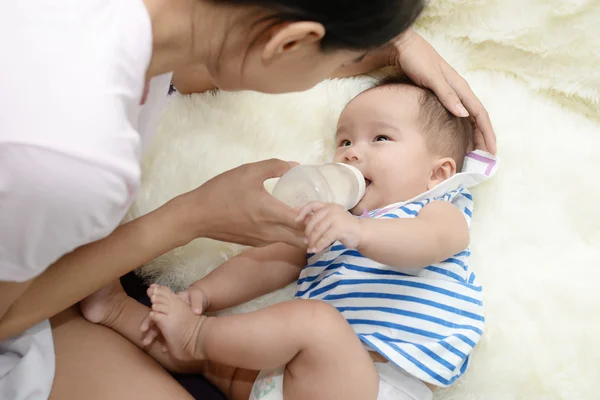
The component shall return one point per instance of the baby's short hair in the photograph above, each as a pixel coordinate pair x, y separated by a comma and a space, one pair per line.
445, 133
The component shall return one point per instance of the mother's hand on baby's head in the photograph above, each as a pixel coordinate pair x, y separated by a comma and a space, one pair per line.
235, 207
479, 141
416, 58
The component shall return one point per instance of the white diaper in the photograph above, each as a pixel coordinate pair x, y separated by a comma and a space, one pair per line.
394, 384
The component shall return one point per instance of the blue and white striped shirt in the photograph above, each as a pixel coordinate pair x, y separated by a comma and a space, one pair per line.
425, 320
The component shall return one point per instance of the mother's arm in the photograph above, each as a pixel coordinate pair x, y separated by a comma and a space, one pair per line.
9, 292
89, 268
232, 207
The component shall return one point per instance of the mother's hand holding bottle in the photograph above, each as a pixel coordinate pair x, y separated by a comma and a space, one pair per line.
232, 207
235, 207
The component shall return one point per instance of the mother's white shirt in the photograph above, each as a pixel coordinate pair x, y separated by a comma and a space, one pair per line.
71, 137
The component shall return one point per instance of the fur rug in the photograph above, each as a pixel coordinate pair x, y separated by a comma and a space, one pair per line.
552, 45
536, 228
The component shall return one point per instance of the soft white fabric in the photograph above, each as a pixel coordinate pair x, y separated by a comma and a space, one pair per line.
394, 384
52, 203
71, 82
553, 46
535, 233
70, 93
27, 364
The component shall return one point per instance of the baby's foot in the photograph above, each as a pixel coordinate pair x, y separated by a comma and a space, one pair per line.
104, 306
193, 296
178, 324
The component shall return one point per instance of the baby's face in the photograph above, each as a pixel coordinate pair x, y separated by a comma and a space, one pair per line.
379, 133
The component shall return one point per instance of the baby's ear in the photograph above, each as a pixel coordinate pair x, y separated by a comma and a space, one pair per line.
443, 169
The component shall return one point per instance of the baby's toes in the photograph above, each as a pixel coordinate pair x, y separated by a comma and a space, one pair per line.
150, 290
164, 290
159, 298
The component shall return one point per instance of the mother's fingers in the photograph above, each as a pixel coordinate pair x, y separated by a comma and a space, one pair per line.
277, 212
447, 95
267, 169
474, 106
292, 237
478, 141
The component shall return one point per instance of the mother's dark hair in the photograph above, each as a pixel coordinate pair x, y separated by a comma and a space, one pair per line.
349, 24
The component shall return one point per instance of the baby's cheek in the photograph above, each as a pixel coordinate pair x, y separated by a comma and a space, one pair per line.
339, 156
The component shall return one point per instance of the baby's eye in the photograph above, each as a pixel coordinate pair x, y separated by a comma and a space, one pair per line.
345, 143
382, 138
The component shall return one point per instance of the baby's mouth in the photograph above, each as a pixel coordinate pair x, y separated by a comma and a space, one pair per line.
367, 182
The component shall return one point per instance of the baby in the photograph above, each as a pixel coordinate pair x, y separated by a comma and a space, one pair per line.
386, 306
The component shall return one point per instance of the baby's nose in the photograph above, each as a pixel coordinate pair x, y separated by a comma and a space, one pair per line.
351, 155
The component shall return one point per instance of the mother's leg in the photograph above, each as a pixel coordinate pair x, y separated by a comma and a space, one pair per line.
94, 362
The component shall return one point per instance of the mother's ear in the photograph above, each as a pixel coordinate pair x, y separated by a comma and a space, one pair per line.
443, 169
291, 37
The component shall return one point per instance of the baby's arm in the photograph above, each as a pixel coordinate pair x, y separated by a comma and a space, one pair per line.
251, 274
437, 233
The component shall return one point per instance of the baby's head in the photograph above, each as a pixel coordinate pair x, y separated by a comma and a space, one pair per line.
402, 139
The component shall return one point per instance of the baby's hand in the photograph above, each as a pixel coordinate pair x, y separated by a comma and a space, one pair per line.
195, 298
326, 223
150, 332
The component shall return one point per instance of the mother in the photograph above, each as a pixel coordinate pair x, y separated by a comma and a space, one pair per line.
81, 90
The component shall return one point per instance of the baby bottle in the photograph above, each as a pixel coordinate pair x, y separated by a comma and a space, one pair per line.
329, 183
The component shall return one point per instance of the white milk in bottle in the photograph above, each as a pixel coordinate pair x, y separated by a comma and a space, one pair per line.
329, 183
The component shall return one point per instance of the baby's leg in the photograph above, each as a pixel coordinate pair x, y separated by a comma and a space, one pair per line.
112, 308
323, 357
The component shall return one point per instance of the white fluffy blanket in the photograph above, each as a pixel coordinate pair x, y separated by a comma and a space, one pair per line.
536, 229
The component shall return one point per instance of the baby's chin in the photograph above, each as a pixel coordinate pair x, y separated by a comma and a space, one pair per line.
368, 205
357, 211
365, 206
